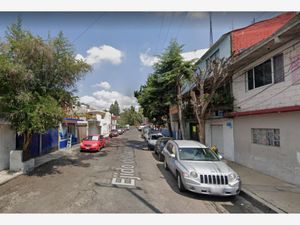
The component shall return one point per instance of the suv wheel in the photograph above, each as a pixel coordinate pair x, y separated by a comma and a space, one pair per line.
166, 165
180, 186
160, 157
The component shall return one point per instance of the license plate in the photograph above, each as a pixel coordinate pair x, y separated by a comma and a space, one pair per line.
87, 148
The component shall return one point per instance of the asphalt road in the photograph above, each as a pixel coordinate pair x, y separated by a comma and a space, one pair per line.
123, 178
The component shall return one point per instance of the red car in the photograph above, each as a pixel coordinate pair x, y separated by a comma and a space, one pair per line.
92, 143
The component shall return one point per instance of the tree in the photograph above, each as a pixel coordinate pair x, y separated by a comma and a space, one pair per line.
175, 72
165, 86
207, 82
114, 108
37, 80
130, 116
155, 99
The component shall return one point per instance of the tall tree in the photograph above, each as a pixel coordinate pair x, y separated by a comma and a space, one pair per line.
37, 80
207, 82
155, 99
114, 108
175, 72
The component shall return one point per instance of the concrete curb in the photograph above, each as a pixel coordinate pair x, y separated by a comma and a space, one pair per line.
74, 148
10, 178
260, 203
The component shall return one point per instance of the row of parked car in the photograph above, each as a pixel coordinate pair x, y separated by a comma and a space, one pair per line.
119, 131
196, 167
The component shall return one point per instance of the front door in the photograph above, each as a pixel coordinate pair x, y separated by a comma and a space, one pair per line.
194, 132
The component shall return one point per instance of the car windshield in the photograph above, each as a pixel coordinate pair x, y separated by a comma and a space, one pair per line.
197, 154
91, 138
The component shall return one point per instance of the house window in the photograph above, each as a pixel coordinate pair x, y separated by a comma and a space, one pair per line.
269, 137
278, 68
270, 71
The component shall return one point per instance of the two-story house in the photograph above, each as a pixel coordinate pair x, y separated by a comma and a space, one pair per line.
219, 126
99, 122
266, 89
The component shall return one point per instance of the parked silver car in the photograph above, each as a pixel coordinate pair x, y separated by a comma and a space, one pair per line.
199, 169
152, 139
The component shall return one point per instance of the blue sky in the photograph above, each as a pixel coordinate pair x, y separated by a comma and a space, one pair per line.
121, 46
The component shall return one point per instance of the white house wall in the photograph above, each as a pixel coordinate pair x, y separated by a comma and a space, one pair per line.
7, 143
228, 142
273, 95
224, 48
106, 124
282, 162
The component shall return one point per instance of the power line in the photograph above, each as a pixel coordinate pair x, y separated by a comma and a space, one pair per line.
161, 26
168, 30
289, 72
244, 71
87, 28
181, 25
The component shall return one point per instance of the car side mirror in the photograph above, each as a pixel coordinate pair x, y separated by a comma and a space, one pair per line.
220, 156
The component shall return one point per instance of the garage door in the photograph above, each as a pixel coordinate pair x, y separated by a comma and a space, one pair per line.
217, 137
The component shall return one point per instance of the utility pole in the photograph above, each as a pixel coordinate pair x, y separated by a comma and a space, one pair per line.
211, 39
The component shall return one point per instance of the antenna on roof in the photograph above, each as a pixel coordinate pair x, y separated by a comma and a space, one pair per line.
253, 21
211, 39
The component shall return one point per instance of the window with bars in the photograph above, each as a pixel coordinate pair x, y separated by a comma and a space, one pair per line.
268, 72
267, 136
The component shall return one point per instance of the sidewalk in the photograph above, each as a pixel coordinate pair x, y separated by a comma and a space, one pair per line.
6, 175
277, 195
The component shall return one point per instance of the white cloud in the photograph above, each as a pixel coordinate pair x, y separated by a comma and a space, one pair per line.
197, 54
103, 99
79, 57
103, 53
148, 60
104, 85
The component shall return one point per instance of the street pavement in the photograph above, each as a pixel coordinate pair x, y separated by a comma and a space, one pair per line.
123, 178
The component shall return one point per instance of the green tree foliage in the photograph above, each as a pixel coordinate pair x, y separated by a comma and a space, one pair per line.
164, 86
114, 108
130, 116
37, 80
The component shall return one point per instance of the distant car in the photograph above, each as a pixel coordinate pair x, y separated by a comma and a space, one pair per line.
159, 146
114, 133
198, 169
92, 143
152, 139
120, 131
146, 132
141, 127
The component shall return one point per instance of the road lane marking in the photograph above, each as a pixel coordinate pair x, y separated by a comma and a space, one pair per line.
125, 177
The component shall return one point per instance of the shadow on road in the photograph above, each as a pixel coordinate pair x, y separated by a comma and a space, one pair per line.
170, 179
78, 160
